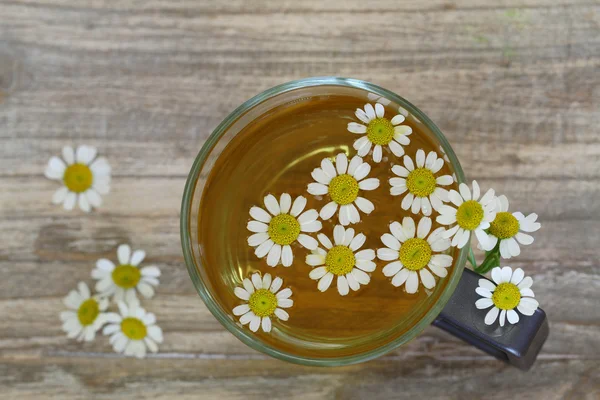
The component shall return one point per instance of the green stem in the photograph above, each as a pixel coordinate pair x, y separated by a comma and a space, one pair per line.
471, 258
492, 260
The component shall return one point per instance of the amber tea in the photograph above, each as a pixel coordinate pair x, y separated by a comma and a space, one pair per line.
278, 153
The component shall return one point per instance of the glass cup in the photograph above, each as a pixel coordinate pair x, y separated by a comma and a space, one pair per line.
453, 306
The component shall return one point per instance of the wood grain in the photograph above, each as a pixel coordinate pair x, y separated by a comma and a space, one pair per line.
513, 84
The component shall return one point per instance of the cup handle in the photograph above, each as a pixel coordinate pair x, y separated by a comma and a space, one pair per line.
517, 344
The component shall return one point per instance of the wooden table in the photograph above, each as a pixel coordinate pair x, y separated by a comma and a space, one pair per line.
515, 85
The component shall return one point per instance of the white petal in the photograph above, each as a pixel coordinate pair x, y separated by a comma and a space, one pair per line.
317, 189
325, 241
93, 197
353, 215
68, 155
307, 242
357, 242
249, 316
484, 303
100, 168
400, 171
437, 165
442, 260
416, 205
367, 254
483, 292
398, 232
423, 228
328, 168
276, 284
258, 239
70, 201
401, 277
465, 192
502, 318
320, 176
369, 184
342, 285
266, 324
392, 268
352, 282
284, 294
362, 145
396, 148
513, 247
486, 284
412, 283
355, 162
274, 255
285, 202
360, 114
482, 238
524, 238
328, 210
348, 236
84, 204
338, 234
390, 241
310, 227
437, 270
124, 254
325, 282
85, 154
356, 128
266, 281
254, 323
287, 257
525, 283
505, 274
145, 290
455, 198
377, 153
55, 168
362, 171
59, 196
281, 314
315, 259
308, 216
248, 285
137, 257
370, 111
361, 276
298, 206
487, 197
427, 279
464, 239
420, 158
425, 206
256, 281
241, 309
365, 265
341, 163
497, 275
272, 205
408, 163
527, 292
491, 316
398, 119
512, 316
258, 227
386, 254
260, 215
444, 180
408, 225
402, 131
317, 273
379, 110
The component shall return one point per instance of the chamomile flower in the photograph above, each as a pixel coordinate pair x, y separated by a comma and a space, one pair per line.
507, 227
284, 223
413, 257
421, 185
133, 330
342, 259
122, 281
471, 215
84, 176
380, 131
86, 314
264, 302
509, 291
343, 184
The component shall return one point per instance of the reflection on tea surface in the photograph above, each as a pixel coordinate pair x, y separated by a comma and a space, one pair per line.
275, 154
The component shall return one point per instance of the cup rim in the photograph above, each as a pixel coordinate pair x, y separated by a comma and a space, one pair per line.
191, 262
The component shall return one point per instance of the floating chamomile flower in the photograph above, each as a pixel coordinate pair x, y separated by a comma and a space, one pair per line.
84, 176
123, 280
343, 183
133, 330
379, 131
421, 184
86, 315
507, 227
342, 259
264, 301
471, 215
511, 290
414, 257
275, 232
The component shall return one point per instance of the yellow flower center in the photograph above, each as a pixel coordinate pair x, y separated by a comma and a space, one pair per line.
380, 131
504, 226
343, 189
284, 229
506, 296
340, 260
415, 253
420, 182
469, 215
78, 178
133, 328
263, 302
87, 312
126, 276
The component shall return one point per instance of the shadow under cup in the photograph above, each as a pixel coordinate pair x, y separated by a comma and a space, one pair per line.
288, 344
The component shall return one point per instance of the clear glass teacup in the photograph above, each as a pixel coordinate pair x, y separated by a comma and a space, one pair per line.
449, 306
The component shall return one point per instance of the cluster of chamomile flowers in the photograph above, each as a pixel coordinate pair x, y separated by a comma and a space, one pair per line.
413, 253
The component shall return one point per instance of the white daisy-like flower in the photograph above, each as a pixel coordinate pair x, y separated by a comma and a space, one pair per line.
284, 223
421, 185
511, 290
264, 301
133, 330
380, 131
507, 227
123, 280
86, 315
342, 259
343, 184
414, 256
471, 215
84, 176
